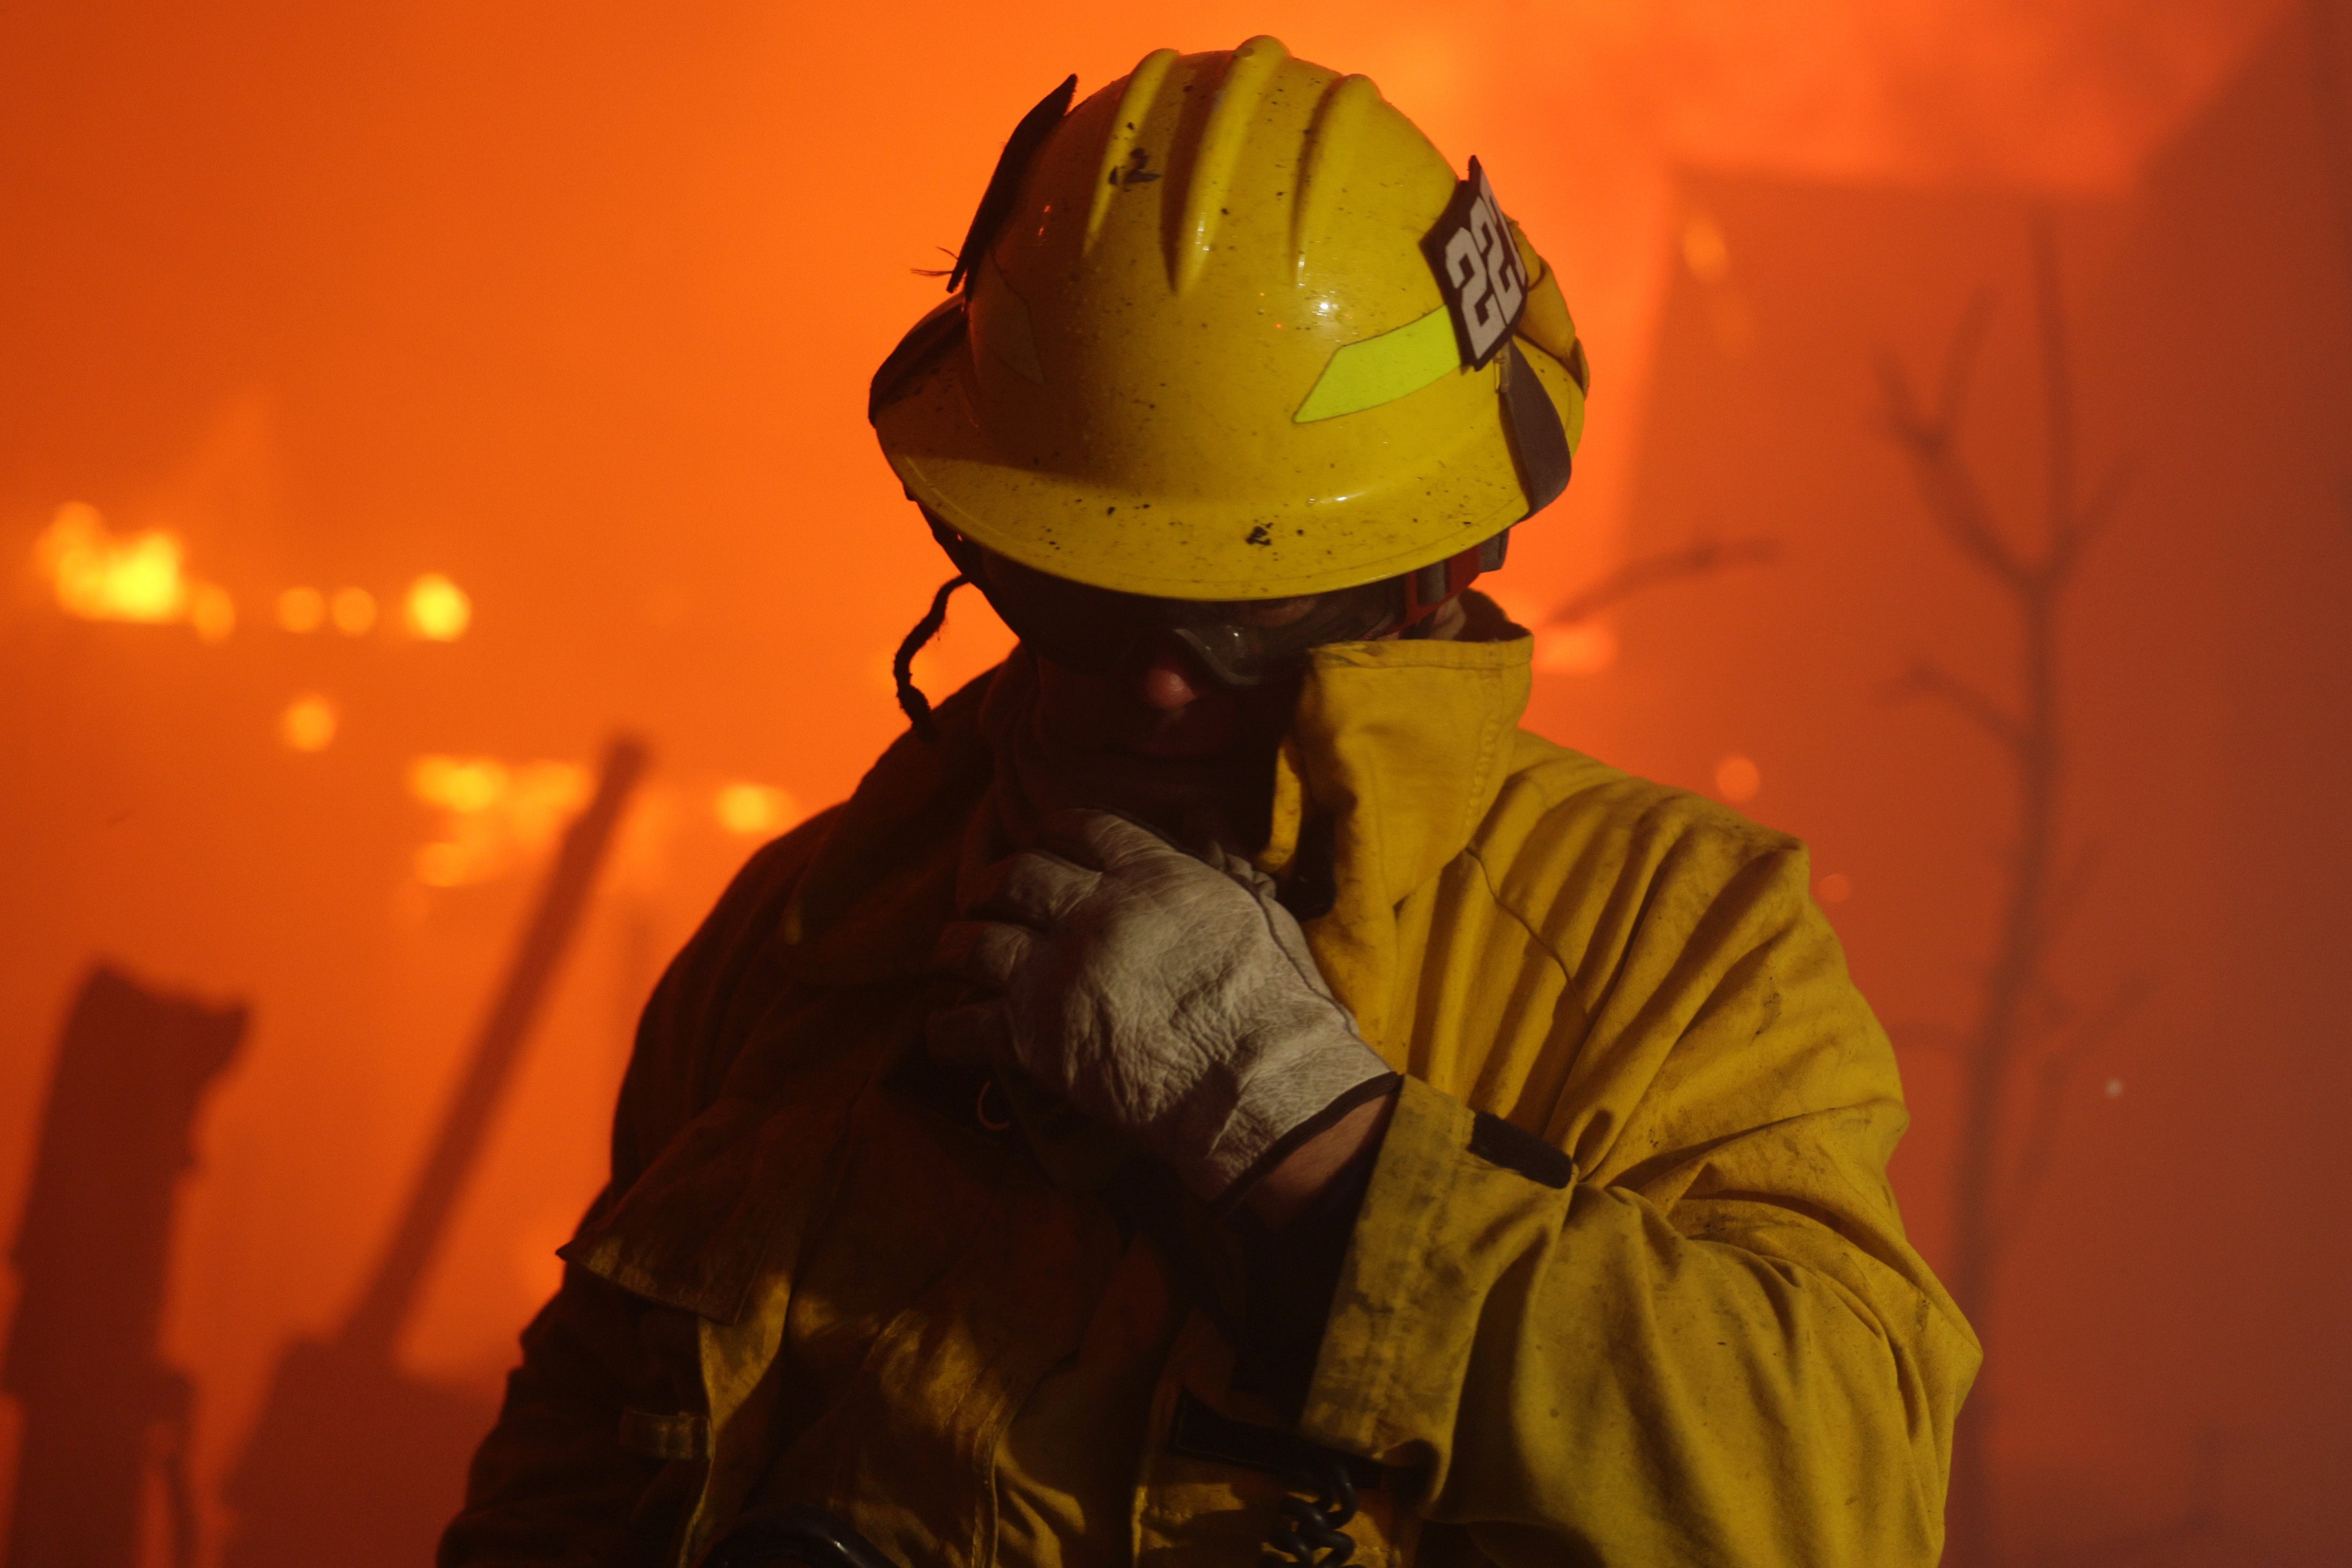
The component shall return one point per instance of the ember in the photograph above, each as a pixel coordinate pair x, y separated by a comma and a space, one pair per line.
751, 809
437, 609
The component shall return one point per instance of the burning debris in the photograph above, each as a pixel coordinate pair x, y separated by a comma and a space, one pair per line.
100, 576
494, 816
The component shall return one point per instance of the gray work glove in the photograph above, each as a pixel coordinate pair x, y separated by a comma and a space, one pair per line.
1163, 993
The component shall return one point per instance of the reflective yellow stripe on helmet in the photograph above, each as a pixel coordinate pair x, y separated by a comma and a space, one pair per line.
1380, 370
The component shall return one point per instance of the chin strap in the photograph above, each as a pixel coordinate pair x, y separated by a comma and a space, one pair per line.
1437, 585
911, 700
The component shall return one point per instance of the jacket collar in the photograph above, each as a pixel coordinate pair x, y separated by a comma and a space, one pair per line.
1401, 748
1398, 748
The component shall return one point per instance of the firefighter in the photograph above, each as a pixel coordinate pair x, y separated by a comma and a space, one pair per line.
1218, 1088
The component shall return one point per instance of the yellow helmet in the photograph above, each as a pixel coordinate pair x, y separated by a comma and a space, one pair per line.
1233, 329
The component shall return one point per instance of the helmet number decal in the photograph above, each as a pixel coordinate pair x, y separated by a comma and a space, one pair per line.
1478, 270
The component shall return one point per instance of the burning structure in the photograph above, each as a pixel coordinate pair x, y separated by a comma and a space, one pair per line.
304, 690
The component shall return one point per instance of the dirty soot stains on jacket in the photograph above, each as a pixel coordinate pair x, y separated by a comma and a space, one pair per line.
1627, 1286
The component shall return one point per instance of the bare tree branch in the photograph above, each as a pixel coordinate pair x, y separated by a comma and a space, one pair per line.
2072, 886
2057, 388
1957, 505
1927, 678
2057, 1068
2084, 529
1937, 428
1998, 1165
1911, 427
1960, 358
2041, 1133
1700, 560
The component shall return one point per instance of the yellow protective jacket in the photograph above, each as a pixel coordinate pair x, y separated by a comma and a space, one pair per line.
1682, 1328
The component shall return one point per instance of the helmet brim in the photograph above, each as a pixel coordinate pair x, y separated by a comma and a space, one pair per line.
1033, 509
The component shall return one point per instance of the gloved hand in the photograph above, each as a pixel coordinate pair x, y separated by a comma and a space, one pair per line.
1163, 993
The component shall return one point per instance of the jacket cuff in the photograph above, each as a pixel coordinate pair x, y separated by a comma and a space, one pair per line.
1457, 1198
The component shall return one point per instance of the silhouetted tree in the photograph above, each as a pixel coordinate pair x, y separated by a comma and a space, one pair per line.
2026, 1036
1703, 557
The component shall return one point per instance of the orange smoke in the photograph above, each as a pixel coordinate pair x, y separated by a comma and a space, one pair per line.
506, 366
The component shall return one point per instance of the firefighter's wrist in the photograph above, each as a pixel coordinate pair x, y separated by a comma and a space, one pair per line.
1298, 1176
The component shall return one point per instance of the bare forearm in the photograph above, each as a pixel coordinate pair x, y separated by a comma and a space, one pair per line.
1294, 1184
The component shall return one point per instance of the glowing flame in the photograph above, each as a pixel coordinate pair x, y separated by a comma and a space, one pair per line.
494, 814
751, 809
462, 784
308, 724
437, 609
101, 578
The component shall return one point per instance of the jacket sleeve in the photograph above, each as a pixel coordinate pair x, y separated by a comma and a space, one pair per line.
1675, 1320
599, 1447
